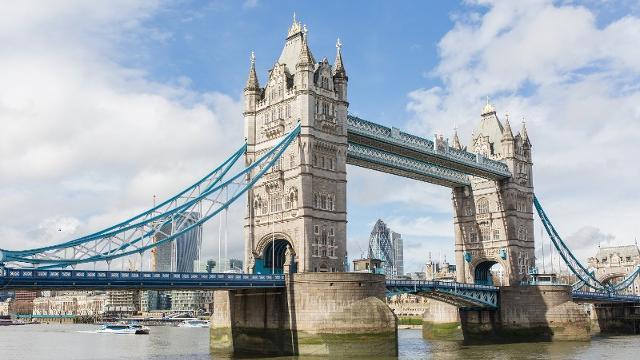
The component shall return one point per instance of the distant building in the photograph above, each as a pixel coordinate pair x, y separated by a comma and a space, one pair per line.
23, 301
396, 240
196, 301
439, 271
368, 265
231, 265
154, 300
80, 304
614, 263
386, 245
204, 266
180, 254
123, 302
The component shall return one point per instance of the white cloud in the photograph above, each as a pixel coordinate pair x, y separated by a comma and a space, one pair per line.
82, 134
576, 83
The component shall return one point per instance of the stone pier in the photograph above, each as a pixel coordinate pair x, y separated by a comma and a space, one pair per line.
615, 318
526, 313
325, 314
441, 321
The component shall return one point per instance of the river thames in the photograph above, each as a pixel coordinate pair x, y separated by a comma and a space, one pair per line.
75, 342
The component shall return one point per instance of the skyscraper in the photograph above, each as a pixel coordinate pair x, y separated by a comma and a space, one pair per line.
178, 255
386, 245
396, 239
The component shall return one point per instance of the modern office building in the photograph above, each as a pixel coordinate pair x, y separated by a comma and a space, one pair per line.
180, 254
386, 245
396, 240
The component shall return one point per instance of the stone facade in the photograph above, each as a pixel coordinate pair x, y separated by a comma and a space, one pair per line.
612, 264
300, 204
494, 219
81, 304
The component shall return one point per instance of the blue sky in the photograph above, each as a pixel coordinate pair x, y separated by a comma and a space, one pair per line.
104, 104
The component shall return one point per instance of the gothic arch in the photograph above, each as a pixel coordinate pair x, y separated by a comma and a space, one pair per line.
267, 239
480, 269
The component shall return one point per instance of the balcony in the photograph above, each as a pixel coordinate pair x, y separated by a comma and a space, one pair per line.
326, 122
274, 128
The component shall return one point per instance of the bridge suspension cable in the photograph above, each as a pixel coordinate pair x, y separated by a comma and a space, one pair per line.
163, 223
585, 277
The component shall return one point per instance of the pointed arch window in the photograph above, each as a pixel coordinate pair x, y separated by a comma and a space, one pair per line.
483, 206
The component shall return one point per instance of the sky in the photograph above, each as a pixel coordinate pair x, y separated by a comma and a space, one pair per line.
105, 104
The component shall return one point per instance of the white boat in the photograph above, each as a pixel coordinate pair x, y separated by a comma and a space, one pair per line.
129, 329
194, 323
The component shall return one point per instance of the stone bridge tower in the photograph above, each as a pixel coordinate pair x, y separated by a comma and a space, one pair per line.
494, 219
296, 214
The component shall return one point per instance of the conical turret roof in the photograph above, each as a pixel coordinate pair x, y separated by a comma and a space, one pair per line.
339, 70
252, 81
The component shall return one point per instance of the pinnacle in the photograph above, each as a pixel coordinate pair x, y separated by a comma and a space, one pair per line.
339, 70
456, 139
305, 58
252, 81
506, 132
523, 132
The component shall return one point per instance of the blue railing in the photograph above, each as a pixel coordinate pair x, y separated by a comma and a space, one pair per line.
85, 279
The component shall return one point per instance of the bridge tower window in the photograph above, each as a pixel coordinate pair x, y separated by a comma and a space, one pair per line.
483, 206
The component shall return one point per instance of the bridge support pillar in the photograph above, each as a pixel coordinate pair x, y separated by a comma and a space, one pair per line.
441, 321
326, 314
528, 313
615, 318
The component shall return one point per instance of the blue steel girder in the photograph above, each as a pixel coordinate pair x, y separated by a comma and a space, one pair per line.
376, 159
11, 279
394, 141
603, 297
460, 295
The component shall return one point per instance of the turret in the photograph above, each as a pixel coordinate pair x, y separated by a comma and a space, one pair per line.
526, 144
456, 139
340, 77
508, 141
251, 97
305, 65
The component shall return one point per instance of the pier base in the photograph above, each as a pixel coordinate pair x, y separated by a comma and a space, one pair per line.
325, 314
529, 313
617, 319
525, 313
441, 321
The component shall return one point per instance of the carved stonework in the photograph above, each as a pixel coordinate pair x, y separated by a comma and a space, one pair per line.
494, 219
298, 90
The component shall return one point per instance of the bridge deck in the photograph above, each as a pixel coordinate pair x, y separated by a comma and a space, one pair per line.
103, 280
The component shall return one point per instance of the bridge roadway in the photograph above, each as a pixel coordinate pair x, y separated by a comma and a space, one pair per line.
461, 295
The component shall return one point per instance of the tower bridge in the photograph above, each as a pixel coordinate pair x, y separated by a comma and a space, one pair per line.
294, 294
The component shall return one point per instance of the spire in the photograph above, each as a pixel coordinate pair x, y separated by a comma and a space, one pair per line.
488, 108
252, 81
507, 134
338, 70
296, 27
523, 132
456, 139
305, 58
